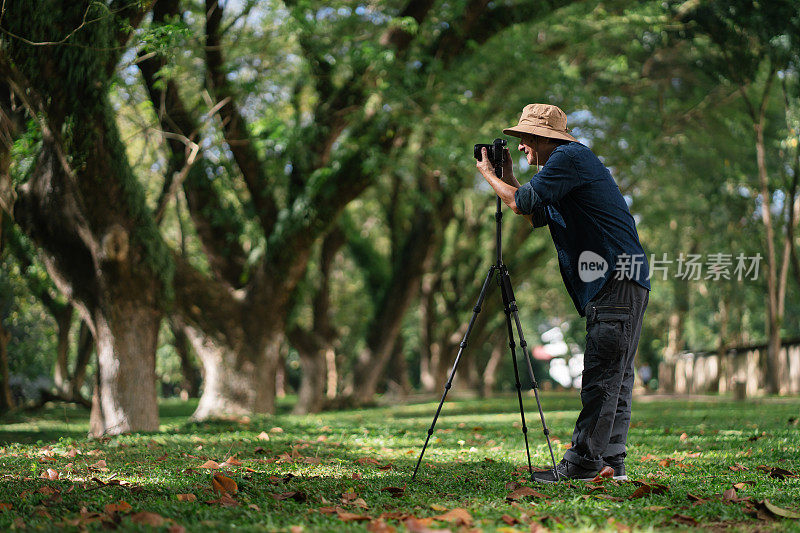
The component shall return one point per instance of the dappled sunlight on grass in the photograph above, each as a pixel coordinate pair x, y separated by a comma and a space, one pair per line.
288, 467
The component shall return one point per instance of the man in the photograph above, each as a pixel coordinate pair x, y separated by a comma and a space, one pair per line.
605, 272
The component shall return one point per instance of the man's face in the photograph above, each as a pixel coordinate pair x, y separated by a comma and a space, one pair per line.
528, 146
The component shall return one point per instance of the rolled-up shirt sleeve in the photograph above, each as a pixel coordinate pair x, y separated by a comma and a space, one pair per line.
556, 178
526, 199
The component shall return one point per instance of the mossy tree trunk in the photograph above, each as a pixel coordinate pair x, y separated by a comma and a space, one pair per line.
82, 205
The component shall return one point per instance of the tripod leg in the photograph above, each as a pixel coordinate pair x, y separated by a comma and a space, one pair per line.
475, 311
512, 345
506, 280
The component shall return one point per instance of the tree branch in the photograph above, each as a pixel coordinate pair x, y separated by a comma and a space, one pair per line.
234, 126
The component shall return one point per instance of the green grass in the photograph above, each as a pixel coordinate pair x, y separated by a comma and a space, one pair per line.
476, 450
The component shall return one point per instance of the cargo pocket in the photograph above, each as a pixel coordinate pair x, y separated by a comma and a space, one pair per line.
605, 328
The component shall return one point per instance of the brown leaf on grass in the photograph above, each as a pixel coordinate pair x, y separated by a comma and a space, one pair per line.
776, 472
394, 492
420, 525
696, 499
50, 474
684, 520
729, 495
693, 455
327, 510
779, 511
458, 516
645, 489
347, 497
226, 500
367, 461
162, 458
5, 507
295, 495
355, 475
756, 437
379, 526
508, 519
344, 516
119, 507
231, 461
655, 508
263, 436
387, 466
524, 492
738, 468
512, 485
606, 473
253, 507
224, 484
649, 457
211, 465
684, 436
175, 528
47, 490
187, 498
148, 519
99, 465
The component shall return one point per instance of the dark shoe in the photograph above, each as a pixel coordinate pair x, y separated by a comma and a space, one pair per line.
566, 471
619, 471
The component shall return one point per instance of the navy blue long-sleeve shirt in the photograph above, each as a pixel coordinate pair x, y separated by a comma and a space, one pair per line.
591, 225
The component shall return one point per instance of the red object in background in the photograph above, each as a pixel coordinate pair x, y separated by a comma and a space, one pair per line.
540, 354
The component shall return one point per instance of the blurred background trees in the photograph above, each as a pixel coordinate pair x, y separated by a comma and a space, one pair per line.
239, 199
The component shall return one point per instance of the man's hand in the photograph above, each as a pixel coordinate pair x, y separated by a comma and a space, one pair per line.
485, 166
508, 169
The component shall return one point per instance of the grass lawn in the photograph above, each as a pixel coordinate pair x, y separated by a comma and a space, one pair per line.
326, 472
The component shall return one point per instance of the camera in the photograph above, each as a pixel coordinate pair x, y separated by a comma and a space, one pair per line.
496, 156
495, 153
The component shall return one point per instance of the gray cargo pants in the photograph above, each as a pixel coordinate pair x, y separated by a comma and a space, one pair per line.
613, 324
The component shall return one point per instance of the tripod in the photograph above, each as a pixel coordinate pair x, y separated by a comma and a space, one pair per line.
510, 306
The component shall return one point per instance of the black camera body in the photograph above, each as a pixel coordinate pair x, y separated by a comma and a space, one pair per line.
496, 156
495, 153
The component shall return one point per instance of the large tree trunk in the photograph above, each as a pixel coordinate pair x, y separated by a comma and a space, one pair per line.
61, 374
191, 378
126, 345
311, 394
233, 383
85, 349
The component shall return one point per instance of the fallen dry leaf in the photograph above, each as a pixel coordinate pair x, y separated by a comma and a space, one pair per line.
367, 461
776, 472
49, 474
524, 492
231, 461
655, 508
5, 507
187, 498
263, 436
379, 526
459, 516
395, 492
646, 489
47, 490
295, 495
148, 519
729, 494
508, 519
344, 516
420, 525
211, 465
226, 500
684, 519
780, 511
738, 468
119, 507
223, 484
100, 465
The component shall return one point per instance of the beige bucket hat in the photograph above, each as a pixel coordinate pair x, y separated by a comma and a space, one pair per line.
544, 120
